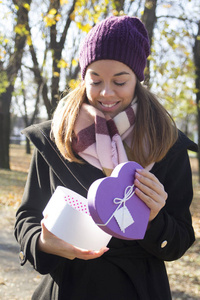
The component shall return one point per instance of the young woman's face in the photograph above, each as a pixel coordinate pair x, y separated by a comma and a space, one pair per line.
110, 86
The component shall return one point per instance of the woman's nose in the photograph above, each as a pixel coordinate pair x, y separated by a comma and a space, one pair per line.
107, 91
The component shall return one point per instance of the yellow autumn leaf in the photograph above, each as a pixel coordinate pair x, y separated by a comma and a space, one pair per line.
51, 18
21, 29
115, 12
79, 25
62, 2
49, 21
86, 28
56, 74
150, 57
96, 18
72, 16
52, 11
97, 8
73, 83
62, 64
74, 62
18, 29
57, 17
2, 53
167, 5
29, 40
80, 3
174, 46
149, 4
186, 53
195, 90
170, 41
26, 6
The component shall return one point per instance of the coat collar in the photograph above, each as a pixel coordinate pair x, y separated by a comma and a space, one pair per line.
72, 175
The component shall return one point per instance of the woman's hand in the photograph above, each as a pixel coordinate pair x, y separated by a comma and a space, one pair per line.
150, 190
51, 244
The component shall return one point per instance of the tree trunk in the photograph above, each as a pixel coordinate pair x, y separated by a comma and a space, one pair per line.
57, 48
5, 127
11, 72
28, 146
119, 5
149, 19
196, 51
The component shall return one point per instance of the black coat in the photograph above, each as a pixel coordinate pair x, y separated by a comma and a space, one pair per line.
130, 270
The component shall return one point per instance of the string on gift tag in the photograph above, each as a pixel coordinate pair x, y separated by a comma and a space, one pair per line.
128, 193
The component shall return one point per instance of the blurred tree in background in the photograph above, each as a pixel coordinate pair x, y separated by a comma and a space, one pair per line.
39, 44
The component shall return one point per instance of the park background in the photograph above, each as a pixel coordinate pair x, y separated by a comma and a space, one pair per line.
39, 43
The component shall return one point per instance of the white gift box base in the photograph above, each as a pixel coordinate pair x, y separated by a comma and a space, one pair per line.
74, 227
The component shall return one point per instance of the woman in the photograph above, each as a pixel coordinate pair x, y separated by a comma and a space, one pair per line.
110, 118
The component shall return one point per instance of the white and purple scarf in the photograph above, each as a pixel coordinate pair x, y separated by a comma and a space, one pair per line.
99, 140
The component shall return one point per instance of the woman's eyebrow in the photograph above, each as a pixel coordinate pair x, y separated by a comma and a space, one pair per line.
117, 74
121, 73
94, 73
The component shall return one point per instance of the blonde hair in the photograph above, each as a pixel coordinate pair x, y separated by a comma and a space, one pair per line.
154, 128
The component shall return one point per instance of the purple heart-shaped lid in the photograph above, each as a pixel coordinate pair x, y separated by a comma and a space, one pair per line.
115, 207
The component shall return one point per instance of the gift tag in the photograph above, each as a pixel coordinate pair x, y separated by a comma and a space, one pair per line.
123, 218
115, 207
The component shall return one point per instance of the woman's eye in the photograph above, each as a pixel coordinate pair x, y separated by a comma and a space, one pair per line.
95, 82
120, 83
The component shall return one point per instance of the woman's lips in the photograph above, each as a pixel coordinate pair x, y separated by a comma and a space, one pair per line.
108, 105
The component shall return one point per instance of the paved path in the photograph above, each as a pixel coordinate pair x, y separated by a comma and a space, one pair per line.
16, 282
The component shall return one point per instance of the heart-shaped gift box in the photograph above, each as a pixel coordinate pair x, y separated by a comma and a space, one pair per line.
115, 207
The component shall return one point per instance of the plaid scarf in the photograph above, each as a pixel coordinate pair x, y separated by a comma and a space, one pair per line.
99, 140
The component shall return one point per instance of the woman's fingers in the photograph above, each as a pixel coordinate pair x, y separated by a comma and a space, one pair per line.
51, 244
150, 190
150, 185
89, 254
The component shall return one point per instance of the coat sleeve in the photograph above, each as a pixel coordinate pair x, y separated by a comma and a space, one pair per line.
171, 232
29, 215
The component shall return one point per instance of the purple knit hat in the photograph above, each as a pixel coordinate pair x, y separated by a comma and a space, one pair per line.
124, 39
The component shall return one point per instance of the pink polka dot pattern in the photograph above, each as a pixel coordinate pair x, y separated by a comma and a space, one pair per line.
77, 204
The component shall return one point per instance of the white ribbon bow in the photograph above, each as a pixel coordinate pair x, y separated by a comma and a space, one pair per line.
122, 216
